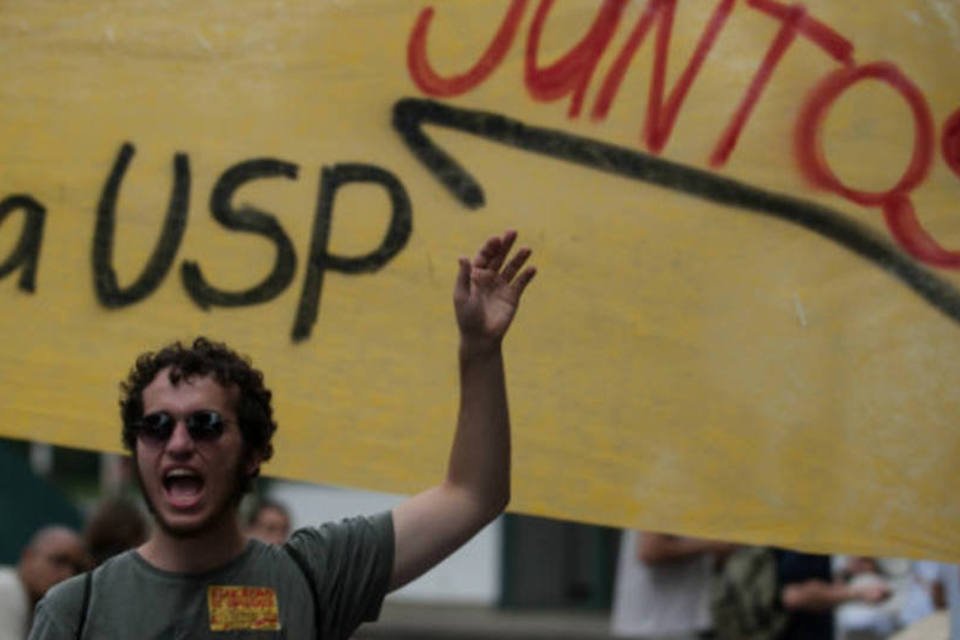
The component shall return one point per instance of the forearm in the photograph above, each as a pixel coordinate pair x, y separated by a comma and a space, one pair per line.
816, 595
479, 463
658, 548
434, 523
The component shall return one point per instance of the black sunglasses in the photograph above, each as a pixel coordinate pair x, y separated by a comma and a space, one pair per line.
204, 425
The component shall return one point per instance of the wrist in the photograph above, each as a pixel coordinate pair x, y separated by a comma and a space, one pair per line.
479, 349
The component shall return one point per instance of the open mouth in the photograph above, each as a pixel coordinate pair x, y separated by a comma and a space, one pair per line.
183, 488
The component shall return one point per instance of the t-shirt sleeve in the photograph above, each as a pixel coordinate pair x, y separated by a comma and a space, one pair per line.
57, 614
351, 561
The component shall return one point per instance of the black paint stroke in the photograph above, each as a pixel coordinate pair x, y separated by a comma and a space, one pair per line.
410, 114
107, 288
394, 239
252, 220
26, 253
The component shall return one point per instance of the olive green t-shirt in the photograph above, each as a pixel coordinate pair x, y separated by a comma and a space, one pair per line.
260, 594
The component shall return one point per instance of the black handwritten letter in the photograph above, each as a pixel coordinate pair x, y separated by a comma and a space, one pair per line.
108, 291
395, 238
246, 218
27, 252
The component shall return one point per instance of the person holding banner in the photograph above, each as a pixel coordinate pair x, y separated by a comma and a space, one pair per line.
198, 422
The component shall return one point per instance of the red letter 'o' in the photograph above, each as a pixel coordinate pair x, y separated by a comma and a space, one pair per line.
807, 138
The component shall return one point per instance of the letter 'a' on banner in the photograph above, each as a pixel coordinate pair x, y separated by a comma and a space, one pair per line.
744, 215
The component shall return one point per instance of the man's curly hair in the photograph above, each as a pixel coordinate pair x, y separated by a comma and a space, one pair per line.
203, 357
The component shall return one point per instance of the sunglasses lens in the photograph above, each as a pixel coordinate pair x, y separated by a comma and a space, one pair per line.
205, 425
156, 427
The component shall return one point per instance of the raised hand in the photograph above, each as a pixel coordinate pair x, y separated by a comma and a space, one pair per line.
488, 291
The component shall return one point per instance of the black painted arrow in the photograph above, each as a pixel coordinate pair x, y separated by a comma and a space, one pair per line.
410, 114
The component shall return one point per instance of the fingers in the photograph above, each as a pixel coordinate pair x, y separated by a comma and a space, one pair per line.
523, 280
463, 277
494, 251
513, 267
490, 259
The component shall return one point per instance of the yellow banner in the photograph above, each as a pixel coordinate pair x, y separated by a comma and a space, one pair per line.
744, 215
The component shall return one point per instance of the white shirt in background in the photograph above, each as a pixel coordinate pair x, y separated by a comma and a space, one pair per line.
671, 599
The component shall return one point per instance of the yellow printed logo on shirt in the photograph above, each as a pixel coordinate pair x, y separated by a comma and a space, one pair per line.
236, 608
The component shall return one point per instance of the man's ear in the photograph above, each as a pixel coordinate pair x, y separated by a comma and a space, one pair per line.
253, 462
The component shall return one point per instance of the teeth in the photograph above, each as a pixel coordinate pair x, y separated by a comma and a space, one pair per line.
182, 483
180, 473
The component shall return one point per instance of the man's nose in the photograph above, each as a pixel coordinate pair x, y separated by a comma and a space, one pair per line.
180, 439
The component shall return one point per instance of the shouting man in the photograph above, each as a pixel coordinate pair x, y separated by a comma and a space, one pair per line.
198, 423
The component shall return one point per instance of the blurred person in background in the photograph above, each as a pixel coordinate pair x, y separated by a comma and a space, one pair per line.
115, 525
936, 617
858, 620
53, 554
809, 592
663, 586
269, 522
922, 593
922, 613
